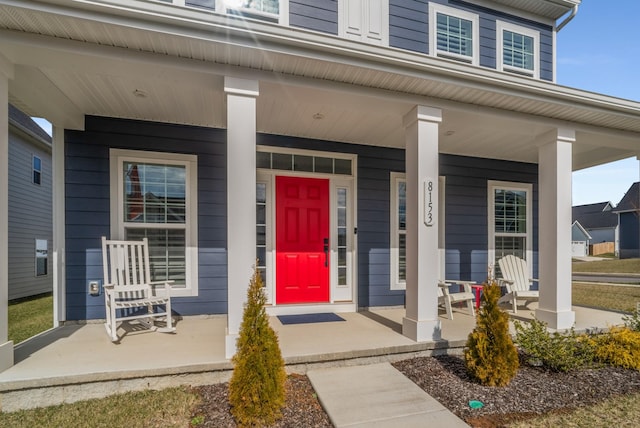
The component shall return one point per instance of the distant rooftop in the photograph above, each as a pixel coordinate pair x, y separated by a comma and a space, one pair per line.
23, 121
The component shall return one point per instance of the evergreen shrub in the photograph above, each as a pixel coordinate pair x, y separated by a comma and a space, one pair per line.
490, 356
557, 352
257, 386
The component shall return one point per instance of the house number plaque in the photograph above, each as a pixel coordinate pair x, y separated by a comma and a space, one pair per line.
428, 202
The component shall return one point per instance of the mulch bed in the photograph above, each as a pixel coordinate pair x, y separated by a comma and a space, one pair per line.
532, 392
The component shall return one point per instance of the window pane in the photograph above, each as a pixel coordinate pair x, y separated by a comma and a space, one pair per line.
324, 165
166, 253
37, 163
261, 235
505, 245
42, 256
154, 193
454, 35
266, 6
402, 205
281, 161
263, 160
303, 163
510, 211
518, 50
343, 166
402, 257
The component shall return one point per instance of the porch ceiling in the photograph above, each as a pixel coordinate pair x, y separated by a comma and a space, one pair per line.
69, 62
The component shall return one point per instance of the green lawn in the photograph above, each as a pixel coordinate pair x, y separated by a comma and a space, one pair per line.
28, 317
608, 266
166, 408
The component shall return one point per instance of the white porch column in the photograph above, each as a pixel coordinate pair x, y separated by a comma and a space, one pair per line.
421, 153
59, 245
6, 346
241, 199
554, 237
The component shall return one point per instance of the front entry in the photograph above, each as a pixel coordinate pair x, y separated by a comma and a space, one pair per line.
302, 240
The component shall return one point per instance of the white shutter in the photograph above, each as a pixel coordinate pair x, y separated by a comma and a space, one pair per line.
364, 20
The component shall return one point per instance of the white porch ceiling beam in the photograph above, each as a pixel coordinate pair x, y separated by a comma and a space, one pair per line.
36, 89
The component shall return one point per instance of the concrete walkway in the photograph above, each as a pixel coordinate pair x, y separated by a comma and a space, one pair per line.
377, 395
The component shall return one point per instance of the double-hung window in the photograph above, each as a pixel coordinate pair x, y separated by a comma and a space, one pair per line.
267, 10
510, 221
518, 49
36, 166
454, 33
154, 195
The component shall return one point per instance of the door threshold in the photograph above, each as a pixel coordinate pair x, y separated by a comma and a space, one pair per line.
313, 308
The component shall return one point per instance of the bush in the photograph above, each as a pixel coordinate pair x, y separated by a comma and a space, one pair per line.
620, 347
491, 357
558, 352
256, 389
632, 321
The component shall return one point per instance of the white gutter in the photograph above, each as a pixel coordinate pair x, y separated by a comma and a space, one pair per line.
574, 12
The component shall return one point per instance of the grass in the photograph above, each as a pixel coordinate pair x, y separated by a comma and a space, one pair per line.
622, 411
611, 297
608, 266
28, 317
166, 408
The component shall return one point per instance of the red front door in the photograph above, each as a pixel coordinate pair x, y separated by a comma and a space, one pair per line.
302, 240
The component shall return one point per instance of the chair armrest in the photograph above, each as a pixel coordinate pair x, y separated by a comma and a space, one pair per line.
444, 285
534, 280
465, 284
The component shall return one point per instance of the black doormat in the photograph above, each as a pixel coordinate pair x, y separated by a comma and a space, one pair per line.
309, 318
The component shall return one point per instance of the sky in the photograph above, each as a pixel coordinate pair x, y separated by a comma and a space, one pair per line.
591, 58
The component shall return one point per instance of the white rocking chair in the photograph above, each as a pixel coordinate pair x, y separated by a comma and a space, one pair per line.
445, 298
129, 292
515, 278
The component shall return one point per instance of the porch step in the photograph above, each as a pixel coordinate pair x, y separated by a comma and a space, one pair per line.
377, 395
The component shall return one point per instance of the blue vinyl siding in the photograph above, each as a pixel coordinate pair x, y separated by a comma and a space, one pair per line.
408, 25
409, 29
629, 235
88, 206
317, 15
466, 227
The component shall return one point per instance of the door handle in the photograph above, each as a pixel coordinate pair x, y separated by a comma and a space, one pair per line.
326, 252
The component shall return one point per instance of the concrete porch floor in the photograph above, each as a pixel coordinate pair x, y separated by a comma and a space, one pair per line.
79, 362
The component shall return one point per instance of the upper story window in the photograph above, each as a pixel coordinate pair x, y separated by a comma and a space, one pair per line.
36, 165
518, 49
454, 33
266, 10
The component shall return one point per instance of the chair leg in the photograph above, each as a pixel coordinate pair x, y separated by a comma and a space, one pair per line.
515, 304
447, 306
470, 306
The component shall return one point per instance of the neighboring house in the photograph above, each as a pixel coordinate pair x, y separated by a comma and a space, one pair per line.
579, 240
629, 212
362, 151
599, 221
30, 221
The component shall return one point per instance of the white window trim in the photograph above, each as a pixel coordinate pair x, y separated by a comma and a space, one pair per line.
283, 9
116, 159
491, 215
394, 250
500, 27
434, 9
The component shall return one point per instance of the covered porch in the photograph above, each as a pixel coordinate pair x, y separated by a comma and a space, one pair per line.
205, 72
79, 362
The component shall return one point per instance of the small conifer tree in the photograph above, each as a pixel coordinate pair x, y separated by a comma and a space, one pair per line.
257, 386
490, 356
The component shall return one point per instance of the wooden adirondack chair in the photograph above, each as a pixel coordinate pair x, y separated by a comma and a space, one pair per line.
129, 292
446, 298
515, 277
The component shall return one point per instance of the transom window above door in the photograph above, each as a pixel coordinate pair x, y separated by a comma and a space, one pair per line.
303, 163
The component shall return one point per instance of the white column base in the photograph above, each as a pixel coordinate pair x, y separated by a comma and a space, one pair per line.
230, 341
561, 320
422, 331
6, 355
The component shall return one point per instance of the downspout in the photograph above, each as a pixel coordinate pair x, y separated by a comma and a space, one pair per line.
574, 12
